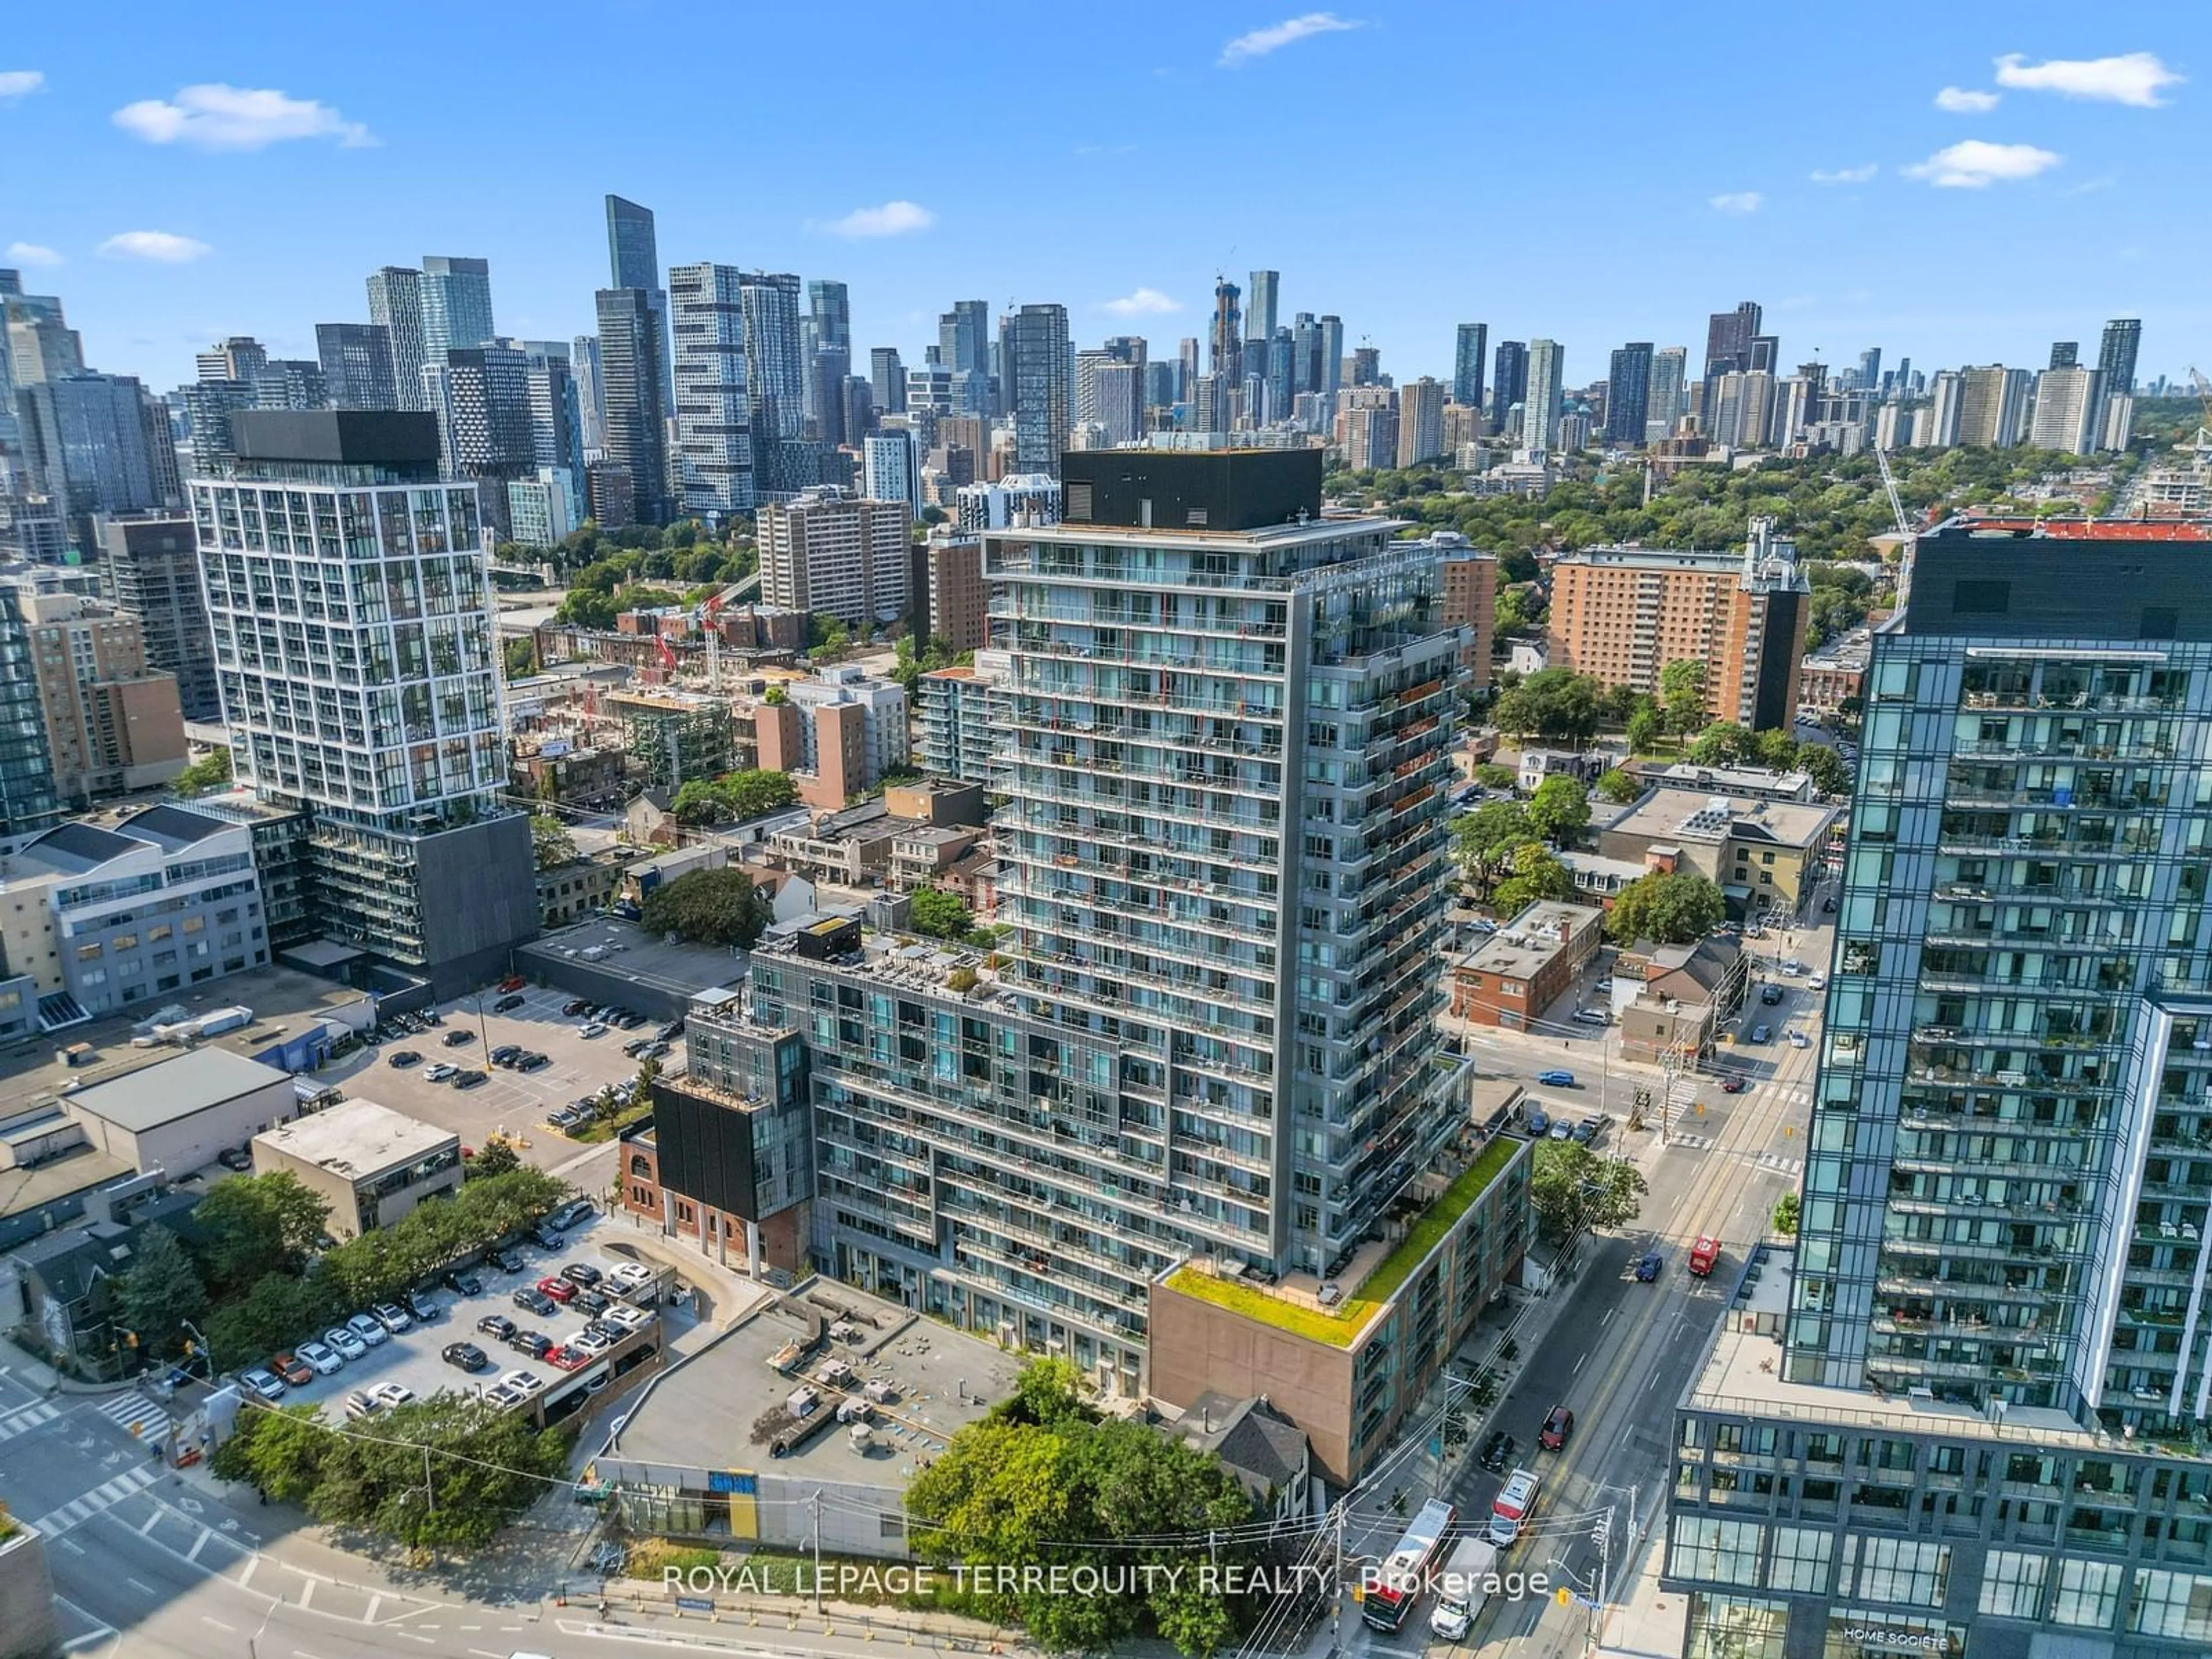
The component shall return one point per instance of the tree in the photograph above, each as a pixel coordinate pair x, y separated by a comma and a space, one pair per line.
1537, 874
1682, 695
1042, 1482
1671, 910
699, 801
251, 1226
520, 657
586, 607
1644, 727
1555, 704
496, 1159
940, 915
159, 1292
1785, 1215
757, 793
1617, 788
1724, 743
1491, 775
550, 843
1826, 768
1572, 1188
281, 1310
707, 907
211, 771
826, 636
1776, 750
1558, 809
1482, 839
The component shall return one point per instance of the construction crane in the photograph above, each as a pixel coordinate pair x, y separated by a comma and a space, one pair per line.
2203, 389
1907, 538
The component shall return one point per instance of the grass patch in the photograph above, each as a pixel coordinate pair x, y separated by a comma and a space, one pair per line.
1337, 1327
648, 1556
606, 1128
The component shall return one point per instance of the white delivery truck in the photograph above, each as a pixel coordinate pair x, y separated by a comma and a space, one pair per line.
1463, 1587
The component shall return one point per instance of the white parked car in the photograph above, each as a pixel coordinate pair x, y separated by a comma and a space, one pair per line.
522, 1384
1818, 982
439, 1072
394, 1318
267, 1384
368, 1330
393, 1394
1592, 1017
348, 1346
325, 1359
1799, 1040
630, 1276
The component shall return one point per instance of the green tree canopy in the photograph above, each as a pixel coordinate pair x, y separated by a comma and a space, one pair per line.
280, 1310
1645, 726
519, 658
550, 843
1556, 705
1674, 908
495, 1158
707, 907
159, 1292
1682, 695
940, 915
1537, 874
1572, 1188
1491, 775
1786, 1209
1724, 743
211, 771
1826, 768
739, 796
1044, 1482
1482, 839
1558, 809
1617, 788
251, 1226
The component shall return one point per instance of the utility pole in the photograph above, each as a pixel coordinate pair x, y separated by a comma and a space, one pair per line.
429, 1491
814, 1509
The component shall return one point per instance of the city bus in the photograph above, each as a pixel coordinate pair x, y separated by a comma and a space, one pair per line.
1392, 1588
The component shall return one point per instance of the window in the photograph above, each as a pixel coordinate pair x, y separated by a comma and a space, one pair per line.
2087, 1593
1800, 1561
2012, 1584
2172, 1604
1737, 1627
1898, 1570
1719, 1552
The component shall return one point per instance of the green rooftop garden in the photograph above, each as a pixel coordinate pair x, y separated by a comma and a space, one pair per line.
1338, 1326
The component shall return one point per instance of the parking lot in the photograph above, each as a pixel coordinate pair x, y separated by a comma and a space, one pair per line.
513, 1102
411, 1358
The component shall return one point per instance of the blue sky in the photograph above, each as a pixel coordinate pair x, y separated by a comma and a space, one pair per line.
1594, 174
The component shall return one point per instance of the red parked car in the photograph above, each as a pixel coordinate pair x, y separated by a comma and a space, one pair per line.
559, 1289
568, 1359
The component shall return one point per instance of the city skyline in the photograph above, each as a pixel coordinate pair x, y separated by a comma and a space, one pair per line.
154, 198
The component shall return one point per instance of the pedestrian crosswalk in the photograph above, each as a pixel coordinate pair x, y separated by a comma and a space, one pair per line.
27, 1418
1779, 1165
80, 1509
134, 1412
1695, 1143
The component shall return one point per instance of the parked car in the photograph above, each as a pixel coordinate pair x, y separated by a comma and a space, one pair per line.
439, 1072
1816, 982
635, 1046
629, 1276
360, 1403
1761, 1034
581, 1272
532, 1062
346, 1341
566, 1117
536, 1344
403, 1058
1496, 1454
1588, 1130
459, 1036
394, 1318
1793, 969
595, 1030
239, 1158
296, 1372
461, 1282
497, 1325
1770, 994
590, 1301
421, 1304
392, 1393
533, 1299
571, 1009
1647, 1268
591, 1342
1731, 1084
524, 1383
507, 1259
508, 1004
1593, 1016
654, 1050
1604, 987
1798, 1039
506, 1055
567, 1360
1556, 1079
500, 1394
369, 1330
466, 1355
1558, 1427
513, 982
267, 1384
1562, 1130
325, 1359
469, 1079
1540, 1121
559, 1289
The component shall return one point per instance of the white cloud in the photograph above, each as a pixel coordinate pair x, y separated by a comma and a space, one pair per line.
2088, 184
1736, 201
1971, 164
1846, 175
1260, 42
219, 117
1959, 101
18, 83
163, 247
2136, 78
1144, 302
892, 219
32, 253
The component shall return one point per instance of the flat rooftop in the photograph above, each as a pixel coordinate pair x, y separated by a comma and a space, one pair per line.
283, 1002
704, 1413
1524, 944
648, 958
193, 1080
1672, 814
1742, 1375
356, 1137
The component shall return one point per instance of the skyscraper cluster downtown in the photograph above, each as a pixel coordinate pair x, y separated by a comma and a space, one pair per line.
1194, 1120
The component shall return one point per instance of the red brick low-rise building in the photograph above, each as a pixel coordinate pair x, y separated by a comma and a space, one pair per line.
1512, 977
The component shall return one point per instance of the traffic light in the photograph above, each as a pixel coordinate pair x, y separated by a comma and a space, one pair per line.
192, 1348
1563, 1595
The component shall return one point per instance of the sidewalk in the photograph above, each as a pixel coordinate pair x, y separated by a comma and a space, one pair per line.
1648, 1623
